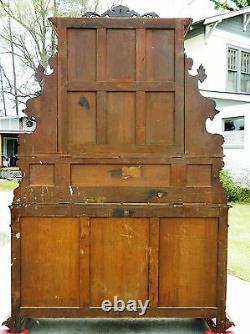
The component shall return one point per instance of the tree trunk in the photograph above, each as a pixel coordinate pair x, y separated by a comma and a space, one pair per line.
13, 66
2, 90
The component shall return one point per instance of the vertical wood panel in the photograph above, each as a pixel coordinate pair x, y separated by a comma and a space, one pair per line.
188, 257
160, 55
140, 118
101, 117
159, 118
16, 259
178, 175
179, 92
222, 269
84, 233
119, 259
121, 56
101, 54
140, 54
62, 174
121, 118
82, 54
81, 118
154, 262
50, 261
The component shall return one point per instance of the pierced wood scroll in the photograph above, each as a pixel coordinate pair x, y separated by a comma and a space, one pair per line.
120, 164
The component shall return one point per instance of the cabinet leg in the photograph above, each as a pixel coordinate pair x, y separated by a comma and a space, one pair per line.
15, 325
220, 327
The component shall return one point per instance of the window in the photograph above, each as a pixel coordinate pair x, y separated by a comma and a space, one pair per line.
238, 68
10, 150
233, 132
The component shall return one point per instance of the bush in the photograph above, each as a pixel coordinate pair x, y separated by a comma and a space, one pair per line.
235, 193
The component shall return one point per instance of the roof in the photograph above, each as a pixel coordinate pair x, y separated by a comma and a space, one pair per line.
223, 16
20, 115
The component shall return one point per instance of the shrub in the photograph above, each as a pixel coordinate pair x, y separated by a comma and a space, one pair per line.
235, 193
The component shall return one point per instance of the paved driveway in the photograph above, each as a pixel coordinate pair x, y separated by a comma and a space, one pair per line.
238, 302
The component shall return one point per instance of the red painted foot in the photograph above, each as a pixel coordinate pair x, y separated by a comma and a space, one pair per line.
6, 331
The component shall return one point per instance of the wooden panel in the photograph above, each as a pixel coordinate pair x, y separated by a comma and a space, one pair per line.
81, 54
199, 175
101, 127
84, 261
120, 118
140, 118
154, 262
119, 259
188, 255
160, 48
50, 261
121, 54
120, 175
159, 118
81, 118
42, 175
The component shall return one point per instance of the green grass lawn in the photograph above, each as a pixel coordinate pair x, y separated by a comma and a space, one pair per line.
6, 185
239, 241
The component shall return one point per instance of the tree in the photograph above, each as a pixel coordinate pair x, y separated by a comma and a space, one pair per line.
231, 4
29, 39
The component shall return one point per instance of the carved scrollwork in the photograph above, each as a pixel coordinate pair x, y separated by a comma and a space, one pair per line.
91, 14
120, 11
40, 70
150, 14
201, 73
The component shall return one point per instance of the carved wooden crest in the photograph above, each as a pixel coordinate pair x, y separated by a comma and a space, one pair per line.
120, 11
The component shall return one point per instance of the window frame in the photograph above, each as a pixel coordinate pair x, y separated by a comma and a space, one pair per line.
238, 68
228, 145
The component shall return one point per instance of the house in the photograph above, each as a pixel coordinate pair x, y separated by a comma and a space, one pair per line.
222, 44
10, 127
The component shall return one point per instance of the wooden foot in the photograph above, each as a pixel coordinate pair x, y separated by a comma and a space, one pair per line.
15, 325
220, 328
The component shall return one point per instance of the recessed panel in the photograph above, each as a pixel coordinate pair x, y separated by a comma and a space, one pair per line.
119, 259
160, 48
50, 261
120, 175
199, 175
188, 262
121, 54
81, 118
120, 118
82, 55
160, 118
41, 175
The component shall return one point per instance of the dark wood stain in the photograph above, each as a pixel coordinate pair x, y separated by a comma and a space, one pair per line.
117, 184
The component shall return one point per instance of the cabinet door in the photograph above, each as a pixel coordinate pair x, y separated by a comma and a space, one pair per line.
49, 261
188, 262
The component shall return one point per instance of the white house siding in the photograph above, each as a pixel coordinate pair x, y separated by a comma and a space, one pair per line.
212, 53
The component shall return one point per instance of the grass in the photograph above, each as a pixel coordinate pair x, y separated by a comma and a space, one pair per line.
239, 241
6, 185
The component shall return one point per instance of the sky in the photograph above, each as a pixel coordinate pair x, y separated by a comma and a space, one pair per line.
196, 9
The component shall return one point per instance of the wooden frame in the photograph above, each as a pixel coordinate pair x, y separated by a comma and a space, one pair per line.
156, 180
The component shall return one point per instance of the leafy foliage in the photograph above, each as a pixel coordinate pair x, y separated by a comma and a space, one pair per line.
235, 192
230, 4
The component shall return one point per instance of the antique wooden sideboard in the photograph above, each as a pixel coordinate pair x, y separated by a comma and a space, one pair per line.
120, 193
